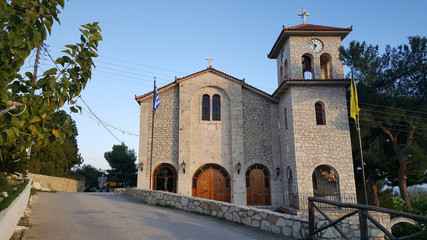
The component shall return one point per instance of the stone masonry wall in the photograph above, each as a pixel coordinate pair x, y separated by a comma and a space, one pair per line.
327, 144
165, 129
287, 225
165, 134
258, 140
56, 183
286, 128
257, 145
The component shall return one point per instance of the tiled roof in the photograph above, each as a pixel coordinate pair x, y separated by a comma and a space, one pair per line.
306, 30
137, 98
311, 27
209, 69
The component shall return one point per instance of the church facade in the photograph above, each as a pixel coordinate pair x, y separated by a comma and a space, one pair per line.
217, 137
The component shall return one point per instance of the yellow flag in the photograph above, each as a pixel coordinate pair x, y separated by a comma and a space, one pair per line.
354, 103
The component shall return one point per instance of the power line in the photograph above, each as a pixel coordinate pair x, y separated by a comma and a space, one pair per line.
371, 120
400, 109
109, 125
118, 60
393, 114
100, 120
165, 80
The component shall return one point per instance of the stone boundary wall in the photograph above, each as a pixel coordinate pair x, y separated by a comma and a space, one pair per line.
50, 183
286, 225
9, 217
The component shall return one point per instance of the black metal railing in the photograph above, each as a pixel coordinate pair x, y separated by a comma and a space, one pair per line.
363, 215
300, 201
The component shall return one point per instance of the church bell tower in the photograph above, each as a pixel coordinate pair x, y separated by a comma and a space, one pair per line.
313, 122
309, 51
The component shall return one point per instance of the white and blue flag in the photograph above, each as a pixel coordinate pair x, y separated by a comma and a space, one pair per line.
156, 100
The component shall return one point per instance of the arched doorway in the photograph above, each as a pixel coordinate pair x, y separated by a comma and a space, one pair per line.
326, 183
211, 181
292, 195
164, 178
258, 185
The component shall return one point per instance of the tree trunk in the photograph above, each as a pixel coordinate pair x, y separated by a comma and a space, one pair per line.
402, 173
375, 193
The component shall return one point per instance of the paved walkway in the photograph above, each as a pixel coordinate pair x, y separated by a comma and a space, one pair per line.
107, 216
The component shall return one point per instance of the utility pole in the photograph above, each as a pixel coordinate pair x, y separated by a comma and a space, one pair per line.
36, 66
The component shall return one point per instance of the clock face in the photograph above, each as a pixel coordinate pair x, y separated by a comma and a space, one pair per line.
283, 56
315, 45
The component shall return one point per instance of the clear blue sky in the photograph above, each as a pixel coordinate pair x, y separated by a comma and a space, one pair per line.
143, 39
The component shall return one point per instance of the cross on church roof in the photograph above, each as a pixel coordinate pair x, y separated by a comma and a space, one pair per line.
209, 60
303, 15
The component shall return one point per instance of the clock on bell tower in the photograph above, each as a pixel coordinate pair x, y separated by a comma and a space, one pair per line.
309, 51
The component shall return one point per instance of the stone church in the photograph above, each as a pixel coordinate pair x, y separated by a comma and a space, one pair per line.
217, 137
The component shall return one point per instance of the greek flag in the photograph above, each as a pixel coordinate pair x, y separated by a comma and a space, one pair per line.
156, 100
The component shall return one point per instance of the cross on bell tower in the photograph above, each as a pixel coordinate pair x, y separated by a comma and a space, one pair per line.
303, 15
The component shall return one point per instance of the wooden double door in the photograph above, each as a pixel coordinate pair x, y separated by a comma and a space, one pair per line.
258, 185
212, 182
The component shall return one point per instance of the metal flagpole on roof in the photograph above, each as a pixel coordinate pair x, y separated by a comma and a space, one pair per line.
156, 104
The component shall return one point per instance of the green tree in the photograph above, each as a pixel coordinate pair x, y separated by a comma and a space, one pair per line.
28, 102
57, 159
89, 174
394, 136
123, 165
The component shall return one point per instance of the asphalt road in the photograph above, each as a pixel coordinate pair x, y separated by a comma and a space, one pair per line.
107, 216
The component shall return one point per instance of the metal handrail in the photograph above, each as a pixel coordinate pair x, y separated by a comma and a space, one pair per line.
362, 210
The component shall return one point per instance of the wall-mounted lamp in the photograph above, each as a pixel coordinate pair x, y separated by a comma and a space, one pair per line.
238, 167
277, 172
141, 166
183, 167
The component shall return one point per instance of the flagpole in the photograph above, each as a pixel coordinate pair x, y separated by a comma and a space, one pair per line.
360, 143
361, 159
152, 133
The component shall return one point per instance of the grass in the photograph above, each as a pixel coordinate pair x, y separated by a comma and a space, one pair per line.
13, 187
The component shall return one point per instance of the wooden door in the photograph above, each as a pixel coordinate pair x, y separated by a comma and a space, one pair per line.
211, 185
257, 188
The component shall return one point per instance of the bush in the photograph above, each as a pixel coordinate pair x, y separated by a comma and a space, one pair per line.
13, 187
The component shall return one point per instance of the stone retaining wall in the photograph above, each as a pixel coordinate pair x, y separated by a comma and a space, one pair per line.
49, 183
288, 225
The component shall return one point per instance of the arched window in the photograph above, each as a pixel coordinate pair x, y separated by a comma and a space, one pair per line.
281, 73
164, 178
286, 118
320, 113
326, 183
325, 66
286, 68
216, 108
307, 69
258, 185
206, 107
293, 198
